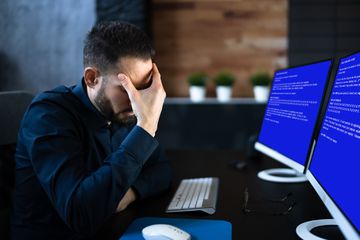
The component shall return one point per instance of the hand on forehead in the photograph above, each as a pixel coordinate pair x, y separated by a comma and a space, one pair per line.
139, 71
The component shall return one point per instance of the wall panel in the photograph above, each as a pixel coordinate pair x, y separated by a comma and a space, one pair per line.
241, 36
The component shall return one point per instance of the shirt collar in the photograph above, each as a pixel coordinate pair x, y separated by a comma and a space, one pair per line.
96, 118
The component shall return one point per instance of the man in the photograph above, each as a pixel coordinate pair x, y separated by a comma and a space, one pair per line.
80, 157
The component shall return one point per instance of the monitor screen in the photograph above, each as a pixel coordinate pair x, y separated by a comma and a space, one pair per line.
334, 169
292, 111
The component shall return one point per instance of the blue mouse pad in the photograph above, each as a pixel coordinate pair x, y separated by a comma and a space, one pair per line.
199, 229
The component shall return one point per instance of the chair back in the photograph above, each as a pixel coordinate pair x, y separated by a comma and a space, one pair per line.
12, 108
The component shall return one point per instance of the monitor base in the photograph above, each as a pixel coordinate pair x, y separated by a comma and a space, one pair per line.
292, 176
304, 229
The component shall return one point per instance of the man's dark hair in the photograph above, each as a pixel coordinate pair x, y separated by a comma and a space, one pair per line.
107, 42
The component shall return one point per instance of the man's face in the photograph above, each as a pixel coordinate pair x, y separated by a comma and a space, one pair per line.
112, 100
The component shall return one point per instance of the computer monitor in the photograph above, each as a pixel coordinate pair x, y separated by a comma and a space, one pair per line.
334, 168
292, 111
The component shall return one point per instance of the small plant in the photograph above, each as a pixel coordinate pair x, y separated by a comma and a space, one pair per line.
197, 79
224, 79
260, 79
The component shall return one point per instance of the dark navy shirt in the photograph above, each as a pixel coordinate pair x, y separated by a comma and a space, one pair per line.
73, 167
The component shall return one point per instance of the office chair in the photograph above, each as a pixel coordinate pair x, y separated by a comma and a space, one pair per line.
12, 107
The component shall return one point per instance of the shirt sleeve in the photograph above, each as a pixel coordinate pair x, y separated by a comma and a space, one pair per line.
155, 176
83, 200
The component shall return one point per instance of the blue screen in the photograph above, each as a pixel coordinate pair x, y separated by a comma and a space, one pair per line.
292, 109
336, 160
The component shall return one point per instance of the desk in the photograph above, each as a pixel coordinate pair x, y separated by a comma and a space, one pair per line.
204, 163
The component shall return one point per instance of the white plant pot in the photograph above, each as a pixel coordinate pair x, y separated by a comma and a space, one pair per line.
223, 93
197, 93
261, 93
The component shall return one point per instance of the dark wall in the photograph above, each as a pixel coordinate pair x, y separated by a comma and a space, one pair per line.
136, 12
320, 29
41, 42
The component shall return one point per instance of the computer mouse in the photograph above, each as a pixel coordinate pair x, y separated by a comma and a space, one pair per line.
164, 232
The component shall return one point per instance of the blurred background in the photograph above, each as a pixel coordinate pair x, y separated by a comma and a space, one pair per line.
41, 41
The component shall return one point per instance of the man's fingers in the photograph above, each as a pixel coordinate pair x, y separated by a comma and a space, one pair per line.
127, 84
156, 75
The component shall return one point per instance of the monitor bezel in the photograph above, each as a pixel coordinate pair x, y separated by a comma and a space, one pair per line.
345, 225
263, 148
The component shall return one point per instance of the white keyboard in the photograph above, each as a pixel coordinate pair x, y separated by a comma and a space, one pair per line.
195, 194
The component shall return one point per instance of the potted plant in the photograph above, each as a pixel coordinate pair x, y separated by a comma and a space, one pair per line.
261, 82
197, 82
224, 82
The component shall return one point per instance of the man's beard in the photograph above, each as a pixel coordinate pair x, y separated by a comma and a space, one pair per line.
128, 121
104, 105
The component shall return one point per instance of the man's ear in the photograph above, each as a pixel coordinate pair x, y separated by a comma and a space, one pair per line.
91, 76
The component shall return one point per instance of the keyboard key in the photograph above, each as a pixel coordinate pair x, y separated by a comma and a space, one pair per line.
202, 193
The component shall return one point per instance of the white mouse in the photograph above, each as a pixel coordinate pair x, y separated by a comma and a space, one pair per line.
164, 232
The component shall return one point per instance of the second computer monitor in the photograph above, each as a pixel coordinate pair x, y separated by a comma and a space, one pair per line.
292, 111
335, 165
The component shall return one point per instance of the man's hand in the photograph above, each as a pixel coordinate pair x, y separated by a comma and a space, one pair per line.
128, 198
147, 104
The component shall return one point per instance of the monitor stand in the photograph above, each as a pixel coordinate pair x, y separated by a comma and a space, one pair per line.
290, 175
304, 229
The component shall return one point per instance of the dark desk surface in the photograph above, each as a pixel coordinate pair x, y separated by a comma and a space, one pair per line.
192, 163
